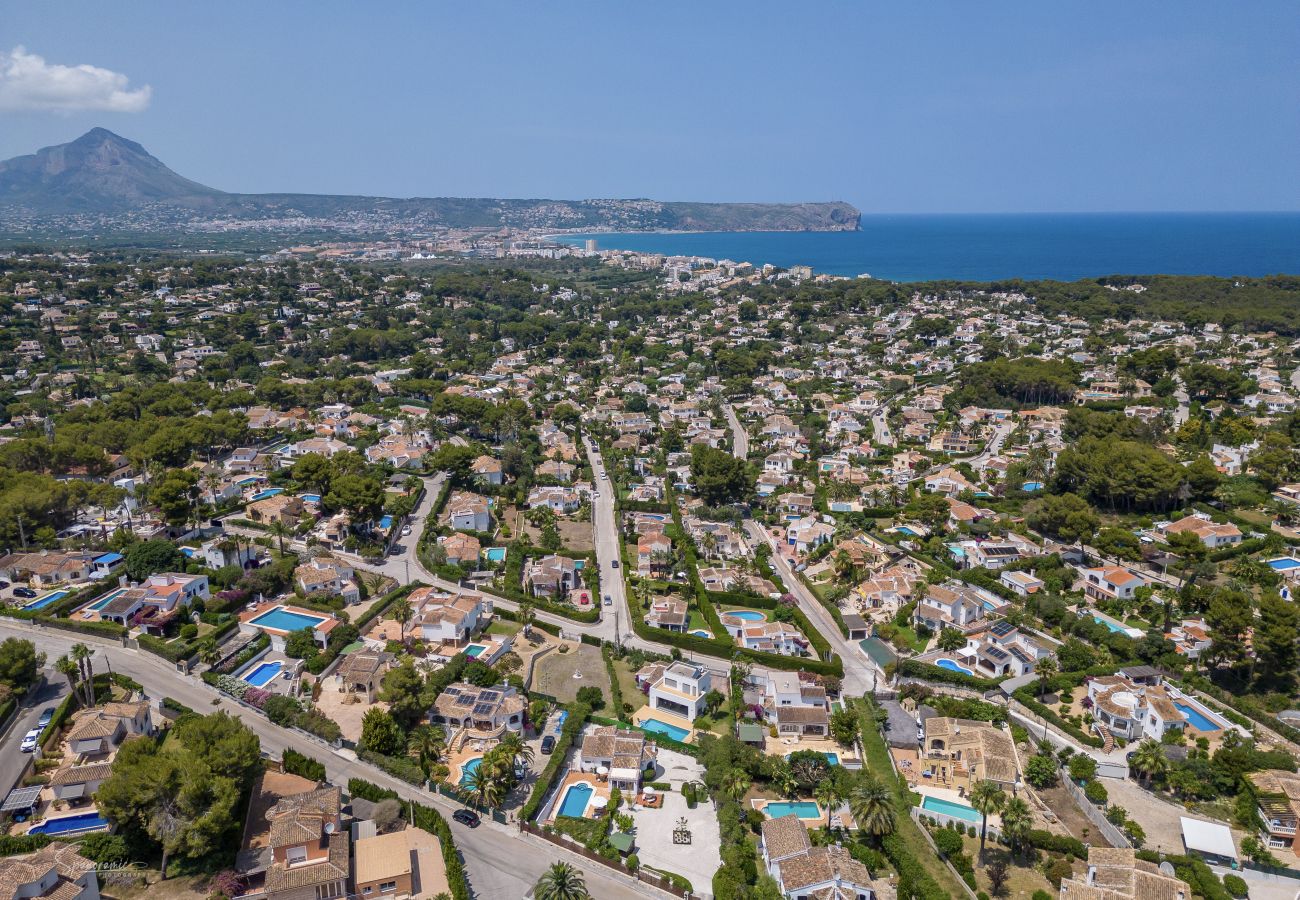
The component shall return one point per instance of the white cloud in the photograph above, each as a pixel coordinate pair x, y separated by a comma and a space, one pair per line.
28, 82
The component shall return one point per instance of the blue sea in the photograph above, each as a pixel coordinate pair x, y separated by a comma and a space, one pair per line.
1065, 247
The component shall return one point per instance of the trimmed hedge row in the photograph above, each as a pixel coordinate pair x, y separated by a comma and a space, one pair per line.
573, 725
296, 763
425, 818
399, 767
912, 669
99, 629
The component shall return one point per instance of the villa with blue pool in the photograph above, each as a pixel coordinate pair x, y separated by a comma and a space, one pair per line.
151, 605
278, 621
1136, 703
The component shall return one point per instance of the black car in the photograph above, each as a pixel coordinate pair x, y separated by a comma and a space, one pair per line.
548, 745
47, 714
25, 593
613, 564
465, 817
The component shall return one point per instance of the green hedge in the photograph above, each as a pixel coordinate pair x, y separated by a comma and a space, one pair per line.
578, 715
913, 669
296, 763
65, 709
913, 880
170, 652
6, 708
380, 606
1058, 843
99, 629
13, 844
399, 767
175, 705
615, 691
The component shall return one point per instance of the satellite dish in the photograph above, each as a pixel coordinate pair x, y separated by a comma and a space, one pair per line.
1167, 868
329, 827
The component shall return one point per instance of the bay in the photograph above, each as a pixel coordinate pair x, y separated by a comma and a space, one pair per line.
1063, 247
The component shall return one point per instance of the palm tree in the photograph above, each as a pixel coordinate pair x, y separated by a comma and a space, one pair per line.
279, 530
82, 654
513, 748
403, 613
485, 785
872, 805
1045, 670
987, 797
1016, 823
69, 670
526, 617
1149, 761
828, 796
426, 744
208, 652
561, 882
736, 784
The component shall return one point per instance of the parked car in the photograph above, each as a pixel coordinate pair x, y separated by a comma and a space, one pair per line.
613, 564
465, 817
25, 593
406, 530
29, 740
609, 601
46, 715
548, 745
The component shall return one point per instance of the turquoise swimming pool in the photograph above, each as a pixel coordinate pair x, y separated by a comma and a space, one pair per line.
804, 809
468, 769
268, 493
948, 807
473, 650
952, 666
748, 615
263, 673
107, 599
495, 554
654, 726
42, 602
576, 799
1196, 718
903, 529
286, 620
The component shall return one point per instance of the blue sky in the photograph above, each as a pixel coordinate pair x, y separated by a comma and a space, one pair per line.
902, 107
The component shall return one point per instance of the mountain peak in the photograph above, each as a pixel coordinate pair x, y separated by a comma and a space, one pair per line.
98, 172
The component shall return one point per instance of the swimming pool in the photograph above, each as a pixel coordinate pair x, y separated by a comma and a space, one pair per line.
831, 757
1284, 564
1196, 718
948, 807
1032, 486
473, 650
386, 522
91, 821
700, 632
1111, 625
654, 726
576, 799
311, 498
495, 554
468, 769
748, 615
269, 492
42, 602
903, 529
951, 666
804, 809
287, 620
107, 599
263, 673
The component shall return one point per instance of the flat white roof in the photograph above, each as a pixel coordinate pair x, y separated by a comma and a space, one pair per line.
1208, 837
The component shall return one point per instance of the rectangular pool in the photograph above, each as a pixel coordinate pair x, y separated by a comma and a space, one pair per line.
269, 492
42, 602
495, 554
263, 673
948, 807
576, 799
91, 821
654, 726
1196, 718
473, 650
107, 599
287, 620
804, 809
1284, 564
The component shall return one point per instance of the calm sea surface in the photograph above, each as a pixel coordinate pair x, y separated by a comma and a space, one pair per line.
992, 247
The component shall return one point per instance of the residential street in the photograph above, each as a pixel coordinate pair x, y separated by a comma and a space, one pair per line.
860, 674
739, 437
486, 849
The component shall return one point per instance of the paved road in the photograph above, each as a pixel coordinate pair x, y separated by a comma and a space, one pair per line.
500, 861
860, 673
1000, 432
880, 431
739, 437
616, 623
13, 762
402, 565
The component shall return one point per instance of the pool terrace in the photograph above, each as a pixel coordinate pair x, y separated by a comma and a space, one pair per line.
580, 794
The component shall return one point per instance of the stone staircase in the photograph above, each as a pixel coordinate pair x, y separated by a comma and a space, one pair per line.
1108, 739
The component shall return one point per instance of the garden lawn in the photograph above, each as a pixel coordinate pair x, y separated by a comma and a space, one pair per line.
627, 685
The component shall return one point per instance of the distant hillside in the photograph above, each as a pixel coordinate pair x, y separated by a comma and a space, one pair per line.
101, 174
